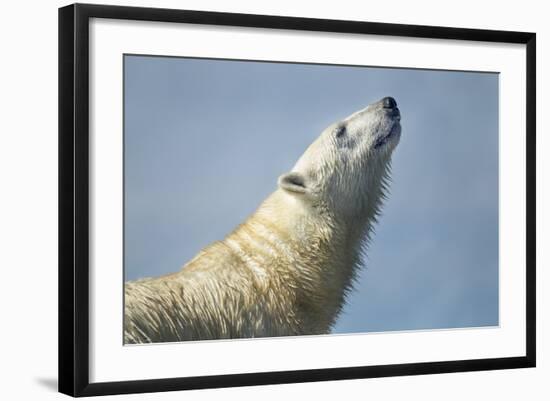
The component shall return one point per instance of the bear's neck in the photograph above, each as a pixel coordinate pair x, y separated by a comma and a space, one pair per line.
317, 256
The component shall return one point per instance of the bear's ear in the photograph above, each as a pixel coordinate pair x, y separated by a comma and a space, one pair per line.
293, 182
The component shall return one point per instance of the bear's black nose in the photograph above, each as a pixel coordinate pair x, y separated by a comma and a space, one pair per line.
389, 102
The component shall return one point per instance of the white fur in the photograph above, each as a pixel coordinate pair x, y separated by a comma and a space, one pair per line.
287, 269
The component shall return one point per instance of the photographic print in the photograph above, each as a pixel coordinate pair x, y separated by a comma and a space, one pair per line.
257, 199
267, 199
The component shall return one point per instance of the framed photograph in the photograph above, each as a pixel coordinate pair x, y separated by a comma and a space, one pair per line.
252, 199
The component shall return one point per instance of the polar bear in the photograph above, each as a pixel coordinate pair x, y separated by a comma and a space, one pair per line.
287, 269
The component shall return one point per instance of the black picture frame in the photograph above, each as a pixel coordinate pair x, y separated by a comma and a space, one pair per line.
74, 198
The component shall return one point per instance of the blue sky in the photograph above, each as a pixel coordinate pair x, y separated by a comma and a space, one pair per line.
205, 141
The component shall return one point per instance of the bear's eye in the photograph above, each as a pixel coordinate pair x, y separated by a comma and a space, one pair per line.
340, 131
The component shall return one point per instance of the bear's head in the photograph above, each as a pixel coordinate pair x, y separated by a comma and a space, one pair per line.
345, 169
